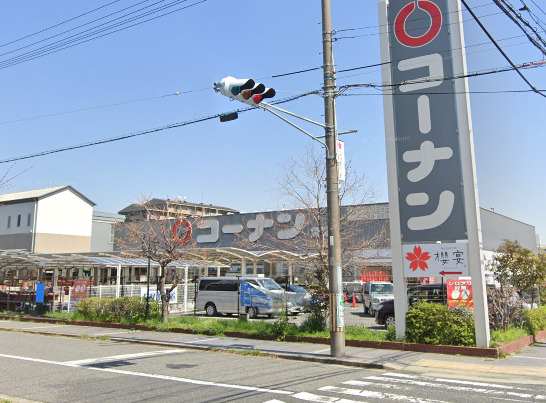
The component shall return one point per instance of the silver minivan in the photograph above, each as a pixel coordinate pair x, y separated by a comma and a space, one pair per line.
252, 295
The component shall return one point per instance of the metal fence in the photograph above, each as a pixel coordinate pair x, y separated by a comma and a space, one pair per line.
182, 297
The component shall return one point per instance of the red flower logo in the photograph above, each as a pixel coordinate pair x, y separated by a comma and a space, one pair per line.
418, 259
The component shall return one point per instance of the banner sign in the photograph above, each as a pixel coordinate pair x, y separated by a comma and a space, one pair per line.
459, 294
155, 295
425, 122
436, 259
80, 288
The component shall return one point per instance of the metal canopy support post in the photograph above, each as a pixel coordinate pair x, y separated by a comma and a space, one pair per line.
118, 280
337, 322
243, 266
186, 288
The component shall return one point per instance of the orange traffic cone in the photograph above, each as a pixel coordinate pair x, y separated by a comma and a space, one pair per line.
354, 301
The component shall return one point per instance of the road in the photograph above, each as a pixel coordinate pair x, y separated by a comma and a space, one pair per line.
60, 369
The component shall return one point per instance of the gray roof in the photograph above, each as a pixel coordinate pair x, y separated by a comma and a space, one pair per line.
28, 195
161, 203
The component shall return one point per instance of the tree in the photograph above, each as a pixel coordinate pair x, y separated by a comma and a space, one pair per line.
518, 266
152, 238
302, 186
515, 269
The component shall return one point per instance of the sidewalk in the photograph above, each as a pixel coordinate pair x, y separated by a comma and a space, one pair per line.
529, 366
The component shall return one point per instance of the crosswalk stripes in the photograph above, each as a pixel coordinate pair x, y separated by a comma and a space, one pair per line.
411, 388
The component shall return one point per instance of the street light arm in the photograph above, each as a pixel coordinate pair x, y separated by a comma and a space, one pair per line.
266, 108
293, 114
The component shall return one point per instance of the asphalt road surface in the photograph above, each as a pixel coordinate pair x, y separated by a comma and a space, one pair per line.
60, 369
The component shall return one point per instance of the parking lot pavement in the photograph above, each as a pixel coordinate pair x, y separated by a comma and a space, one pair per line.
354, 316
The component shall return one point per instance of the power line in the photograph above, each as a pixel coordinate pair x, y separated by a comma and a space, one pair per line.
144, 132
448, 93
203, 89
414, 29
60, 23
500, 50
79, 26
543, 12
99, 107
344, 88
415, 19
78, 38
517, 19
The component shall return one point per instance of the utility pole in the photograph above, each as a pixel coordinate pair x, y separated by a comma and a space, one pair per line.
337, 320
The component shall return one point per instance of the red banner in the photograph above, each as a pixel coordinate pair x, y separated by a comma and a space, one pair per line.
459, 294
80, 289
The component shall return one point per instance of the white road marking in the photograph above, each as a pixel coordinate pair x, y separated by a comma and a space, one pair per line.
529, 358
199, 340
447, 387
324, 350
375, 395
154, 376
37, 327
123, 357
489, 385
310, 397
106, 333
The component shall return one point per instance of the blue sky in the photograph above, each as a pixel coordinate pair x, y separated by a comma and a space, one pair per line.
234, 164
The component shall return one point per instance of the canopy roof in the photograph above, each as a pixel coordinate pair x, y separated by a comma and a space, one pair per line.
21, 259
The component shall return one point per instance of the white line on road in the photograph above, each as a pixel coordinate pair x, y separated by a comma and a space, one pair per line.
529, 358
154, 376
38, 327
427, 384
107, 333
123, 357
199, 340
374, 395
324, 350
310, 397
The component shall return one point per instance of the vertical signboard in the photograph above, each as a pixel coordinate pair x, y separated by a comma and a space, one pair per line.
430, 160
427, 145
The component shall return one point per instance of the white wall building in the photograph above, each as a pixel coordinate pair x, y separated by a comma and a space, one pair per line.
50, 220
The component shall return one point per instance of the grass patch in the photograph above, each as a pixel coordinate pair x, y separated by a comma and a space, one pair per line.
60, 315
499, 337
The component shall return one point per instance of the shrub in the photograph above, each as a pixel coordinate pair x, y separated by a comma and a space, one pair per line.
505, 308
316, 322
535, 319
431, 323
124, 310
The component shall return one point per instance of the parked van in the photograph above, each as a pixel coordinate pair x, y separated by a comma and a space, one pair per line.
252, 295
376, 292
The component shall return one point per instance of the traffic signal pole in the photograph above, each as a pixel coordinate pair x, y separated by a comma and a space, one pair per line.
252, 93
337, 320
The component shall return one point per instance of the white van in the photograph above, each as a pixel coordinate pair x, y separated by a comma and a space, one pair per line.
252, 295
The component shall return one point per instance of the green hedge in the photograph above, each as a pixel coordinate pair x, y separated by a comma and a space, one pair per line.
535, 319
119, 310
430, 323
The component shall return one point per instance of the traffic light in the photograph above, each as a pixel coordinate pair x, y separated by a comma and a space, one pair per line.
244, 90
